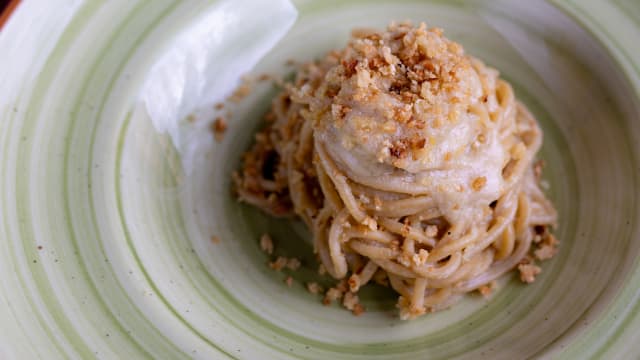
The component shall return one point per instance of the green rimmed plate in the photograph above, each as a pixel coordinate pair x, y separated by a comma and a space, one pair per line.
111, 192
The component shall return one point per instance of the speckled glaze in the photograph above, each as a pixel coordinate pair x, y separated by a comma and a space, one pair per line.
107, 218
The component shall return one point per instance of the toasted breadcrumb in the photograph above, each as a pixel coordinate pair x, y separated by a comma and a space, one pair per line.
550, 239
478, 183
215, 239
545, 252
404, 259
487, 289
547, 246
343, 286
331, 295
241, 92
280, 263
219, 106
420, 258
350, 300
431, 231
219, 127
293, 264
288, 281
266, 244
358, 309
528, 272
354, 283
314, 288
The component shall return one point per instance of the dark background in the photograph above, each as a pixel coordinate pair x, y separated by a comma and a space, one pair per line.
3, 4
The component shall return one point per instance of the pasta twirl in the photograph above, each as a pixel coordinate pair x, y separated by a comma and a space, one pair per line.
408, 157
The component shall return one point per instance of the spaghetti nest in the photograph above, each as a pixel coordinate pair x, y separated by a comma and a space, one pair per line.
410, 160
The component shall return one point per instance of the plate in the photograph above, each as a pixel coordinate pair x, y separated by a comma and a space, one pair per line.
120, 238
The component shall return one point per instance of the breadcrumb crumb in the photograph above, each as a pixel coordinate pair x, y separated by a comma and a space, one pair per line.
487, 289
293, 264
545, 252
431, 231
314, 288
358, 309
528, 272
420, 258
288, 281
266, 244
478, 183
331, 295
240, 93
547, 246
280, 263
219, 127
350, 300
354, 283
215, 239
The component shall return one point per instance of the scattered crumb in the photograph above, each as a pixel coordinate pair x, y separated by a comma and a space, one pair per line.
487, 289
39, 247
293, 264
191, 118
290, 62
358, 309
478, 183
550, 239
264, 77
314, 288
431, 231
354, 283
528, 272
343, 286
420, 258
215, 240
547, 247
266, 244
240, 93
350, 300
404, 259
545, 252
331, 295
219, 127
219, 106
288, 281
280, 263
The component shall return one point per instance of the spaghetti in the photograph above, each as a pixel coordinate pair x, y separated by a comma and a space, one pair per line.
408, 159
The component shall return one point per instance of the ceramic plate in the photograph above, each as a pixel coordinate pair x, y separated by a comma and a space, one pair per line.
113, 189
